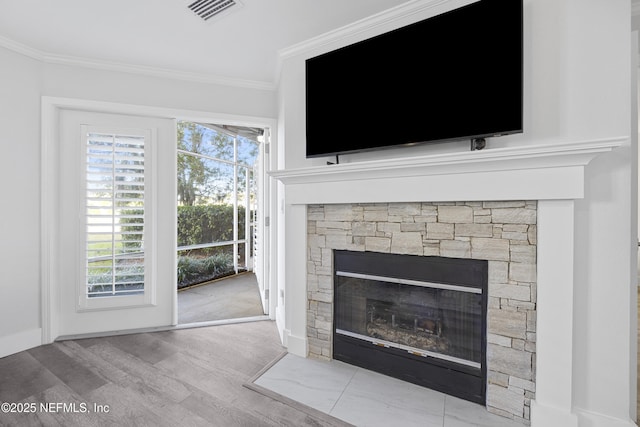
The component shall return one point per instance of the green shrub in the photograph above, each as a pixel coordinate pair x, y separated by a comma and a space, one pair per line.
207, 223
130, 278
197, 270
198, 224
132, 225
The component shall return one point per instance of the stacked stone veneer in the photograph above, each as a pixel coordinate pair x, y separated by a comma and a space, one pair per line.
504, 233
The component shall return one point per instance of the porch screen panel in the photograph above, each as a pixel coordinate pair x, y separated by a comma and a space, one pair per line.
115, 214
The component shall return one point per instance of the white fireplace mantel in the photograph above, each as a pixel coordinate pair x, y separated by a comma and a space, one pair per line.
551, 171
552, 174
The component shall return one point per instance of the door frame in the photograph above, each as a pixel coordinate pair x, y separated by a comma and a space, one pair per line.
49, 187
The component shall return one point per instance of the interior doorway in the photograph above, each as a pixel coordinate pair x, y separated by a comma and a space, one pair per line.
217, 222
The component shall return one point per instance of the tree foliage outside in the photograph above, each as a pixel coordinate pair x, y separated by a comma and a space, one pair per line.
204, 172
208, 161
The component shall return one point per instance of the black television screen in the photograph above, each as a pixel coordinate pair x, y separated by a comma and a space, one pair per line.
457, 75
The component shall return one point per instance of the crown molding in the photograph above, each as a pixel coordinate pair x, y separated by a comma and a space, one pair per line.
383, 19
51, 58
157, 72
21, 49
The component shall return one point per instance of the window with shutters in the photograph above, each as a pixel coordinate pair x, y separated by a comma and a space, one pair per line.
116, 195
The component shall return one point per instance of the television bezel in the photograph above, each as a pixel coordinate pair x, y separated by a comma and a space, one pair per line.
456, 138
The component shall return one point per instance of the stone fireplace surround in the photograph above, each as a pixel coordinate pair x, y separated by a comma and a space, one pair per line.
552, 175
504, 233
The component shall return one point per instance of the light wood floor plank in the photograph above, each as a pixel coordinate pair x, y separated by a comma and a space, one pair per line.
145, 347
220, 412
187, 377
127, 407
21, 375
142, 373
75, 375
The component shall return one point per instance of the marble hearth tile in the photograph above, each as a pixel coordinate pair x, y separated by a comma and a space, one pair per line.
460, 413
366, 398
315, 383
372, 399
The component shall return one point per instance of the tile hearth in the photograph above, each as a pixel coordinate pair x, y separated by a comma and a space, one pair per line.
366, 398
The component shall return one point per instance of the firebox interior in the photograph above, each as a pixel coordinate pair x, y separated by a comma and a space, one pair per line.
420, 319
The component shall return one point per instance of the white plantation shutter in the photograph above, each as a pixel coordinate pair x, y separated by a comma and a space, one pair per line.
112, 252
115, 214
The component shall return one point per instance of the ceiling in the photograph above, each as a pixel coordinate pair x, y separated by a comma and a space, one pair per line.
241, 44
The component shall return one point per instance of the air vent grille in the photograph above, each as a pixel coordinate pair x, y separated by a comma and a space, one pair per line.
207, 9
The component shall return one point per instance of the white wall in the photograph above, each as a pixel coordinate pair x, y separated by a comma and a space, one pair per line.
100, 85
20, 82
599, 64
577, 87
23, 81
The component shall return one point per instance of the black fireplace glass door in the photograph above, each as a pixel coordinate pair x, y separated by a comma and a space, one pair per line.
427, 319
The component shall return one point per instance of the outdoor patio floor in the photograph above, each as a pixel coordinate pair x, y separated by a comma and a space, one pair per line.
229, 298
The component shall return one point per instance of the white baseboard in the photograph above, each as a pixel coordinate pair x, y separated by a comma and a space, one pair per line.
15, 343
593, 419
549, 416
295, 344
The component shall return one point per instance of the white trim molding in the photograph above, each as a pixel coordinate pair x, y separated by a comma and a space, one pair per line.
550, 171
52, 58
561, 154
386, 20
20, 341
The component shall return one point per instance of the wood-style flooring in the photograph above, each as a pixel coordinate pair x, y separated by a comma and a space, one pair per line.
187, 377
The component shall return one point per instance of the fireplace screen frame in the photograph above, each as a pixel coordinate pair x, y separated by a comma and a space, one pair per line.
448, 375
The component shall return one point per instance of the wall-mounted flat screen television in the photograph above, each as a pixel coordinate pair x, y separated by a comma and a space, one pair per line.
454, 76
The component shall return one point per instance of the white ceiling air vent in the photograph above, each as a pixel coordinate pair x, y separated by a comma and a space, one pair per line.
207, 9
